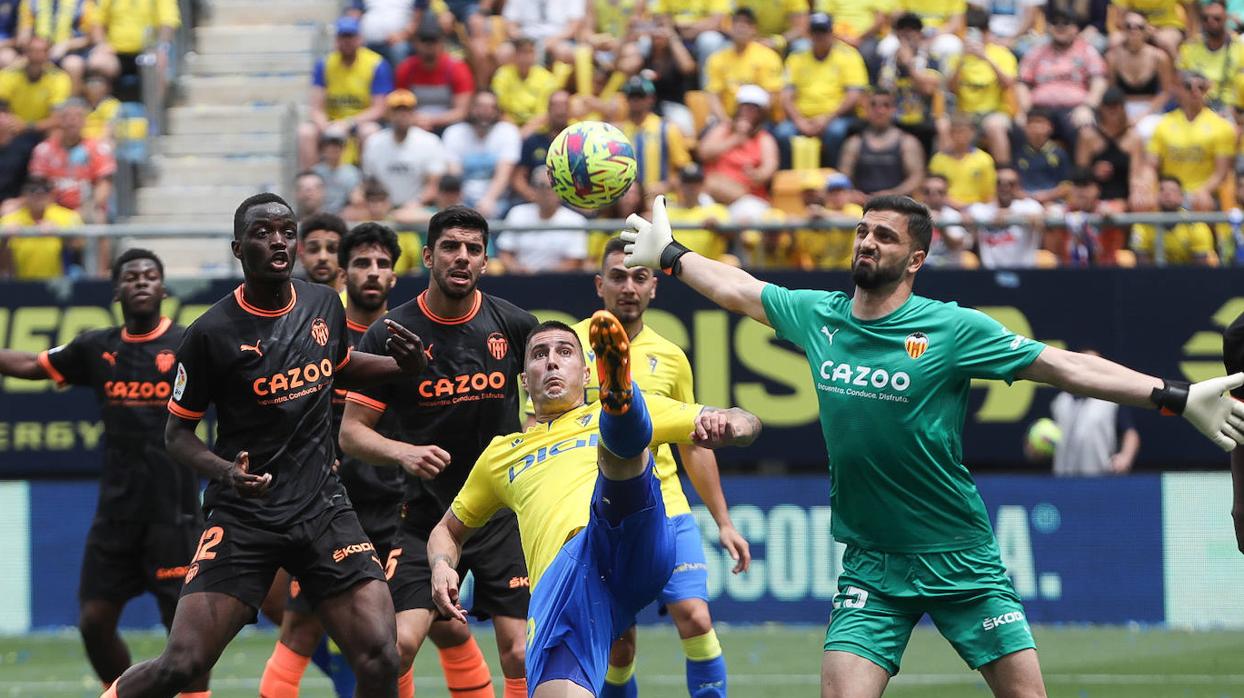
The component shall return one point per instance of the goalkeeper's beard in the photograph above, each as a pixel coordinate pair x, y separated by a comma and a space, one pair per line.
876, 276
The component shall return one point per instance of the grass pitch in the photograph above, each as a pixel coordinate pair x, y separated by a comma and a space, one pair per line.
1079, 662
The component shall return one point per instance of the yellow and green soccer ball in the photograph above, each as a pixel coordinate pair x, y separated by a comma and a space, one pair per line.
591, 164
1043, 437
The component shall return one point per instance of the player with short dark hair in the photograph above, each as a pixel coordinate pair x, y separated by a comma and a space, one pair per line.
148, 518
367, 254
583, 486
319, 240
268, 355
434, 427
917, 534
626, 294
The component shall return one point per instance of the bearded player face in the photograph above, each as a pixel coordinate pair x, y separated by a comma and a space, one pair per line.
369, 276
883, 250
457, 261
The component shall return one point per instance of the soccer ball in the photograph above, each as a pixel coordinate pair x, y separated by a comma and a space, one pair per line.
1043, 437
591, 164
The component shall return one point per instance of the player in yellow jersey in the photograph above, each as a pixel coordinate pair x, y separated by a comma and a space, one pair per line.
583, 484
663, 369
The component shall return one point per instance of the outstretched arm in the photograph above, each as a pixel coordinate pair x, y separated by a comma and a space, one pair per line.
716, 427
653, 245
405, 356
1204, 404
444, 550
21, 364
701, 466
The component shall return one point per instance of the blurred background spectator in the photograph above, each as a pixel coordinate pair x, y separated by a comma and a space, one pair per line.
949, 247
1109, 149
17, 143
882, 159
1143, 73
1182, 243
745, 62
442, 83
1001, 244
1191, 144
39, 257
969, 171
547, 248
523, 87
310, 194
35, 86
827, 248
699, 23
339, 177
740, 157
347, 93
692, 205
123, 30
79, 168
536, 146
488, 149
983, 82
1065, 76
660, 147
407, 160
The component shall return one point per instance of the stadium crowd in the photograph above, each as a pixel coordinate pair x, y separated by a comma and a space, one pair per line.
742, 112
66, 68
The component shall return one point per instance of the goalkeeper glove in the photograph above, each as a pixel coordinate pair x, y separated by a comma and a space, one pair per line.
652, 244
1207, 406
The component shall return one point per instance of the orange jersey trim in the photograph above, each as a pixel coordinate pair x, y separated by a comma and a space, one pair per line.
158, 332
182, 412
479, 301
355, 326
349, 353
365, 401
253, 310
46, 363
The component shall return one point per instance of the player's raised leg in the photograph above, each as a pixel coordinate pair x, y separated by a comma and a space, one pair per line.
204, 624
360, 620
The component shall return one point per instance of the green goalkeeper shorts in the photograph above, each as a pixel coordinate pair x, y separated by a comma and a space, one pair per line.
881, 597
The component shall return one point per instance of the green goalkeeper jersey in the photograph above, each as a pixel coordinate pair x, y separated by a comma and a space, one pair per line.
893, 395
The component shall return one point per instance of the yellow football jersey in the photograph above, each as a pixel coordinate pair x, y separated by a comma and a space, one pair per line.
1187, 149
33, 101
546, 475
660, 368
821, 85
39, 257
971, 179
979, 90
728, 70
1181, 244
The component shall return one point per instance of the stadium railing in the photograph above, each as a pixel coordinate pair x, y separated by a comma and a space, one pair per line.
1231, 247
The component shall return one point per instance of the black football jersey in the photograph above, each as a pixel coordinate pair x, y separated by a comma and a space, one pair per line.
365, 483
1233, 351
270, 375
132, 376
467, 395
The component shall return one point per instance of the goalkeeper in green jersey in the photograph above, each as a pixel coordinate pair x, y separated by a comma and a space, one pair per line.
892, 372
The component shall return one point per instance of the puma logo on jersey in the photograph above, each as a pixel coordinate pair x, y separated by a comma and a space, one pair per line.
110, 357
255, 347
829, 335
427, 352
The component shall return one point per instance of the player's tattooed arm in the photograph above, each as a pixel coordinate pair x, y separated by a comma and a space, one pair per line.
404, 357
716, 427
187, 448
444, 550
21, 364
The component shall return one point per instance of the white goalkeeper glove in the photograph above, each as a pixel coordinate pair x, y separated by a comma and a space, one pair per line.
652, 244
1207, 406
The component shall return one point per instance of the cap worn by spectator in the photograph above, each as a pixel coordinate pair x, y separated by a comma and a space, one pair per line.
332, 136
754, 95
690, 173
347, 26
400, 99
639, 86
837, 181
821, 22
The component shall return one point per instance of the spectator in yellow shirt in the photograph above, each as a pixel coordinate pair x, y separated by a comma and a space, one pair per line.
700, 23
97, 91
1216, 53
1191, 144
122, 32
659, 147
827, 248
33, 90
823, 89
348, 88
36, 257
969, 171
980, 79
693, 205
1182, 243
523, 87
67, 25
746, 62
